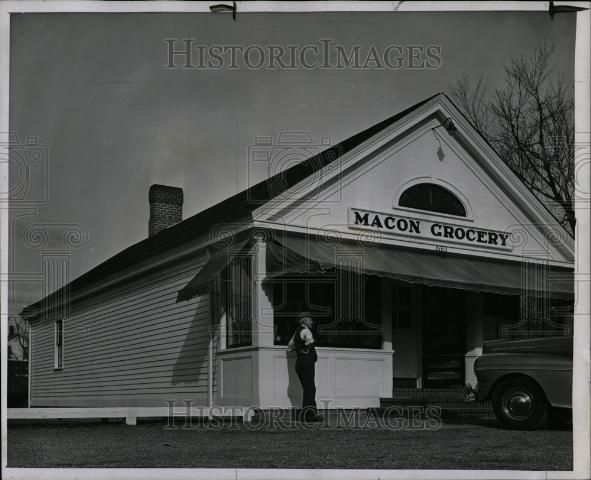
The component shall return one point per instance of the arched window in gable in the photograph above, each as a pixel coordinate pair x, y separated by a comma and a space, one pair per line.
432, 198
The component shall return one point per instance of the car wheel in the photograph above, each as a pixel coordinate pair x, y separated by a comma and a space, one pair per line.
519, 403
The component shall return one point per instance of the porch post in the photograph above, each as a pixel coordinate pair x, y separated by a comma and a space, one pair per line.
262, 322
387, 341
262, 327
386, 314
474, 335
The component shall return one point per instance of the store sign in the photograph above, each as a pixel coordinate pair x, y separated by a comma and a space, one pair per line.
428, 229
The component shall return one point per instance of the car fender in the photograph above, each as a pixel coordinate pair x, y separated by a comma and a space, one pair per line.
553, 373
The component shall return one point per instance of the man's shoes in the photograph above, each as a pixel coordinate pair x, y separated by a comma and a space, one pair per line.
312, 417
316, 419
308, 416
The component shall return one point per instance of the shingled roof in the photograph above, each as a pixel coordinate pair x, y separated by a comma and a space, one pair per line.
232, 209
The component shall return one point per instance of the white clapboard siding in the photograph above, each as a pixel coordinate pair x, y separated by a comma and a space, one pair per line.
130, 345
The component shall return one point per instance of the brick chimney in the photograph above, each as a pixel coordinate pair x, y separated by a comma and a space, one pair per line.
166, 207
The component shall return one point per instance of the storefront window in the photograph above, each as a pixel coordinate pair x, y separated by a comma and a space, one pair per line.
346, 308
232, 296
401, 307
561, 313
501, 312
514, 317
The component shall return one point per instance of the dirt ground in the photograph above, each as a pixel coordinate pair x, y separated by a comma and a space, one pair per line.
447, 446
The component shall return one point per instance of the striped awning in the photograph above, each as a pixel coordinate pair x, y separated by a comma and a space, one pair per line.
200, 284
306, 254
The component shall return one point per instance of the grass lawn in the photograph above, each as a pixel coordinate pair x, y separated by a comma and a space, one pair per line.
152, 445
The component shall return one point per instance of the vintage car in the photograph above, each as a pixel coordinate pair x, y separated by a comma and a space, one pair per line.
526, 379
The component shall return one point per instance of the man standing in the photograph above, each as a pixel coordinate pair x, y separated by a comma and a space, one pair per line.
302, 342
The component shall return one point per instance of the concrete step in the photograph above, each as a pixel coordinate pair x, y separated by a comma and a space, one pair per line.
449, 402
445, 405
458, 394
384, 402
479, 410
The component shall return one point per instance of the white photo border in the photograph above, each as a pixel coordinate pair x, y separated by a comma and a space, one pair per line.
581, 357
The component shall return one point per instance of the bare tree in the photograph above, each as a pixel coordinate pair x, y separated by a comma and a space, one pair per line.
19, 333
530, 123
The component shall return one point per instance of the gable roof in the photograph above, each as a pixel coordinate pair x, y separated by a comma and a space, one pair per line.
240, 206
232, 209
472, 138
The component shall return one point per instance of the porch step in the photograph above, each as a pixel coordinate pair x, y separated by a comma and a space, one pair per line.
450, 402
452, 394
449, 405
465, 410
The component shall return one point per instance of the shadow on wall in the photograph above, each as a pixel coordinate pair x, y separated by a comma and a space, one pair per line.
191, 366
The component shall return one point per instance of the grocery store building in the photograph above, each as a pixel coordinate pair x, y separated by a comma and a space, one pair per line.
411, 243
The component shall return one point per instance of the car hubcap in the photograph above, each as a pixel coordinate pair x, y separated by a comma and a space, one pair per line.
518, 404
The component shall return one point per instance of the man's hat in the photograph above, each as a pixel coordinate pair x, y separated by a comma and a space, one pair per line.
304, 315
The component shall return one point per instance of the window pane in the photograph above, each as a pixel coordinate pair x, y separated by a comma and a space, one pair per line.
59, 335
401, 306
403, 296
432, 198
515, 317
345, 308
404, 318
237, 292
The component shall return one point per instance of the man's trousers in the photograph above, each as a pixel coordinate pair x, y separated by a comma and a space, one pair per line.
306, 372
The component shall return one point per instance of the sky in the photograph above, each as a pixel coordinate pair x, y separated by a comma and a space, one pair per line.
111, 120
